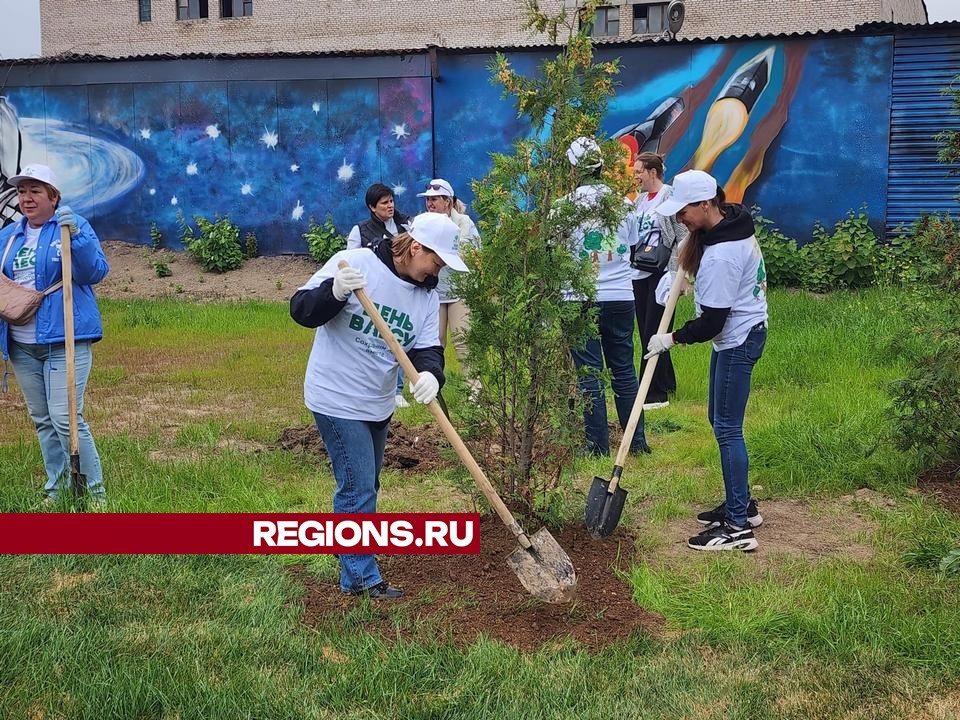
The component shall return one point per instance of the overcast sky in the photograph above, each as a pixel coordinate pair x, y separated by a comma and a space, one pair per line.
21, 36
938, 10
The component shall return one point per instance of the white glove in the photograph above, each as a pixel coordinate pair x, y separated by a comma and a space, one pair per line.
68, 219
425, 389
658, 344
346, 280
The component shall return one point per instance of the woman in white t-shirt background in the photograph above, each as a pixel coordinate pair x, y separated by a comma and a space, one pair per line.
653, 229
351, 374
731, 306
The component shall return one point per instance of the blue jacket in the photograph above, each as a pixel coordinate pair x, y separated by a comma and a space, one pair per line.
89, 267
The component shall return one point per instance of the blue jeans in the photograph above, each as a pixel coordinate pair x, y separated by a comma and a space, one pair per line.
355, 448
613, 347
41, 373
730, 372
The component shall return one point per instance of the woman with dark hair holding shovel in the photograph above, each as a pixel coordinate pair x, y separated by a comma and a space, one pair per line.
37, 347
731, 302
352, 373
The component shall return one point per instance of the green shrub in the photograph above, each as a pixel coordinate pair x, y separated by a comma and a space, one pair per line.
161, 268
216, 247
323, 240
250, 248
781, 256
156, 237
844, 258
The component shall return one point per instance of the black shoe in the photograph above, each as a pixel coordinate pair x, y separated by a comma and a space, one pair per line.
710, 518
640, 446
380, 591
724, 537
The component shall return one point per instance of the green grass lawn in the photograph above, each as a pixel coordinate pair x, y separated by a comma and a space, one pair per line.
186, 402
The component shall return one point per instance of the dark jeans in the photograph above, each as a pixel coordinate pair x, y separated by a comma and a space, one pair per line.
730, 372
649, 314
356, 449
613, 348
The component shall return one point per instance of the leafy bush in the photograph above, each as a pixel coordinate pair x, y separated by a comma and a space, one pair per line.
844, 258
216, 247
250, 248
781, 256
156, 237
323, 240
161, 268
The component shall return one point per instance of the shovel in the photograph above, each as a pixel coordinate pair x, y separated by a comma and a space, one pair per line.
78, 483
538, 561
606, 498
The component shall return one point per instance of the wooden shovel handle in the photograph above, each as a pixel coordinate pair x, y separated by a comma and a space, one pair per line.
645, 382
66, 262
452, 436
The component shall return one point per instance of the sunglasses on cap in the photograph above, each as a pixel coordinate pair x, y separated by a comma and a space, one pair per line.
433, 186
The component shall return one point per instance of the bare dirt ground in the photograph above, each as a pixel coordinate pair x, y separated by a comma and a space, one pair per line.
132, 275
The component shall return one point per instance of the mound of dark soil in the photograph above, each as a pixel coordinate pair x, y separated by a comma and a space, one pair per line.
458, 598
414, 449
943, 484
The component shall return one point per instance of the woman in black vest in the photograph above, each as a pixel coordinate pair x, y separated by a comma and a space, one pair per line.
384, 221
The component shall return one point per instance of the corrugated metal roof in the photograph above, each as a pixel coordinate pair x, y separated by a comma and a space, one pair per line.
872, 28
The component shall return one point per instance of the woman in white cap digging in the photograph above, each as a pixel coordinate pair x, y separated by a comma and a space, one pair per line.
454, 315
351, 373
31, 258
731, 302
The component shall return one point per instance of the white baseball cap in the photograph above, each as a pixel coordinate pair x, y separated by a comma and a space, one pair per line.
585, 152
439, 233
38, 172
691, 186
438, 188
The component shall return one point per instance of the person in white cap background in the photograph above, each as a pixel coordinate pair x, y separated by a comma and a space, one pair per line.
731, 311
31, 251
613, 345
351, 372
439, 197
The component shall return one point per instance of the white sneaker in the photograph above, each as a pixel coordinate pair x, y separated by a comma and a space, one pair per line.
401, 401
656, 405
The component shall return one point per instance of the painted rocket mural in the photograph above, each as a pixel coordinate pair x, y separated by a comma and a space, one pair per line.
778, 123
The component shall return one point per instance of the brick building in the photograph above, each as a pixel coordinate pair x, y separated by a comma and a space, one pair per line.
117, 28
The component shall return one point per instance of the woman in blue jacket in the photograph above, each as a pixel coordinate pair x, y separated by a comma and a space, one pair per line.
36, 348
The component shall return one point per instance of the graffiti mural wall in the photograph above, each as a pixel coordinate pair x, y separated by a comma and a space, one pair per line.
269, 155
798, 127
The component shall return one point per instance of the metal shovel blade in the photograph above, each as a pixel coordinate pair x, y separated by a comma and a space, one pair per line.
603, 509
544, 569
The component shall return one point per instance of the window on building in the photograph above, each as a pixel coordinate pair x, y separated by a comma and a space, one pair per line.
236, 8
606, 22
650, 18
144, 10
192, 9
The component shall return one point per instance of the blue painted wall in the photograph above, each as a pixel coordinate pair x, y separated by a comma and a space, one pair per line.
807, 141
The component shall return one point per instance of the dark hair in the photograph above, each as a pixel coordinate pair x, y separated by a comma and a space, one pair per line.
376, 193
691, 249
652, 161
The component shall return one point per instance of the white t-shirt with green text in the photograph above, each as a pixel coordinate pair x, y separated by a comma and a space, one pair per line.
351, 373
25, 273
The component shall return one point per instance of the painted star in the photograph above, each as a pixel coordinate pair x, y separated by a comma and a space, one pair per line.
246, 189
294, 168
400, 131
297, 213
399, 189
213, 132
316, 107
173, 200
145, 133
345, 172
192, 168
153, 191
269, 138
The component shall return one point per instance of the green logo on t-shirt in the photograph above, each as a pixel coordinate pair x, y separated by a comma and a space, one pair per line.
761, 285
400, 324
25, 259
